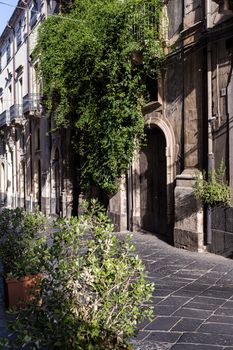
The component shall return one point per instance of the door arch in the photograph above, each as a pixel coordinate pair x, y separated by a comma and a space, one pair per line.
133, 195
153, 182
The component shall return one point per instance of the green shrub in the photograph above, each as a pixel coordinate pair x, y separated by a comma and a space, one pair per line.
22, 242
214, 191
94, 293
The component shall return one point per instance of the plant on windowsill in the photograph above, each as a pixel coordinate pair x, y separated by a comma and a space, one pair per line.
215, 191
94, 291
22, 252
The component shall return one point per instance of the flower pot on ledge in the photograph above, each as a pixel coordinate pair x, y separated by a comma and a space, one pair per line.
18, 292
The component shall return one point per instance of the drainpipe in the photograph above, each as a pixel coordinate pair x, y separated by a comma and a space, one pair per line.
210, 117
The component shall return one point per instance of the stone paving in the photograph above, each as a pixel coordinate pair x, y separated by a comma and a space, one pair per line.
193, 298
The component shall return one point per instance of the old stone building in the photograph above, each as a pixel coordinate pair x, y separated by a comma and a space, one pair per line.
31, 155
189, 126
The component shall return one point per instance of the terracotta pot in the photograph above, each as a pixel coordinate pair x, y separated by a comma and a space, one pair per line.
20, 291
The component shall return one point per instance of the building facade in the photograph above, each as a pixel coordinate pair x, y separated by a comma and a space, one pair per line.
31, 155
189, 126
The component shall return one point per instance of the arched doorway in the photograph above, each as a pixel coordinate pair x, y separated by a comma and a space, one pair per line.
153, 182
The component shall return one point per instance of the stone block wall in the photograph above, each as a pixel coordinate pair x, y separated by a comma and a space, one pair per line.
222, 232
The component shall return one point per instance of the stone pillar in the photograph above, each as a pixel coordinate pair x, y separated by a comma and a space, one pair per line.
189, 228
117, 209
136, 192
230, 128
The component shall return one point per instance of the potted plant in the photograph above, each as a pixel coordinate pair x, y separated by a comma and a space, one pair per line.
22, 251
94, 291
215, 191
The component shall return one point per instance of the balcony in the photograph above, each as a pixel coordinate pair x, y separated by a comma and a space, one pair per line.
16, 113
4, 118
31, 104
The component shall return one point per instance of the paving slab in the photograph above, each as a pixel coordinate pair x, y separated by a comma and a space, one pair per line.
193, 298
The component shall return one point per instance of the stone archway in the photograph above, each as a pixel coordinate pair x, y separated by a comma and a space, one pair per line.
125, 206
168, 153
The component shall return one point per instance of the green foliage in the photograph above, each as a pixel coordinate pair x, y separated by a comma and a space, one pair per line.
94, 291
214, 191
92, 84
22, 242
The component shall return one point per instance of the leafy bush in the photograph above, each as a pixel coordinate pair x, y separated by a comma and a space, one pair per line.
22, 242
94, 292
215, 191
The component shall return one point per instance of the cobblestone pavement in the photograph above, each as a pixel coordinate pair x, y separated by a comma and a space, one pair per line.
193, 298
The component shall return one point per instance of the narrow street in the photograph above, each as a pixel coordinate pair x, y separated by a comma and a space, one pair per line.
193, 299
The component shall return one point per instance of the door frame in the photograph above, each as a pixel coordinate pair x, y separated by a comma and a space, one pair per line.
155, 119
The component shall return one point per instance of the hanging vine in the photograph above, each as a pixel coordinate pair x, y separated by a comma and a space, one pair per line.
94, 84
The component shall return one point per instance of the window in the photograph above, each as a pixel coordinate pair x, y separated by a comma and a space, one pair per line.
1, 105
8, 50
225, 6
34, 12
35, 79
10, 96
21, 89
19, 34
152, 89
37, 139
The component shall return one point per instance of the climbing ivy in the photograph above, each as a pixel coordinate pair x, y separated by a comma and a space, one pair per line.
94, 84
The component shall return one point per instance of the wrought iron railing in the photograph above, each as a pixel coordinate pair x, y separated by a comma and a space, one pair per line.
145, 19
16, 112
31, 102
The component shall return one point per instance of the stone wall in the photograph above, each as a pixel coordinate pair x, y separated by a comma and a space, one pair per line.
222, 232
188, 230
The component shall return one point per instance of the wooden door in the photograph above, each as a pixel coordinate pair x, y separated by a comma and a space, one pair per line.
153, 183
